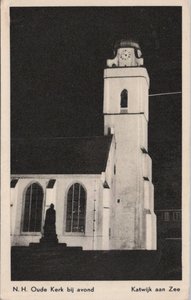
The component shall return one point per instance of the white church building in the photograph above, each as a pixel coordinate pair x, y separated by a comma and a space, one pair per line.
101, 186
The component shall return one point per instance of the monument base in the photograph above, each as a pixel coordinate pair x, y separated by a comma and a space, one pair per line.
49, 240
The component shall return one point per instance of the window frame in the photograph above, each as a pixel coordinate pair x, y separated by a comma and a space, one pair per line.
166, 216
124, 109
34, 233
77, 233
176, 216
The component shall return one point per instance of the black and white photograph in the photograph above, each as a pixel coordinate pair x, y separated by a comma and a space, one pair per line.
96, 146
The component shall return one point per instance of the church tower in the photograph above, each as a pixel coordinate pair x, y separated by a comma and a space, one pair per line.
126, 85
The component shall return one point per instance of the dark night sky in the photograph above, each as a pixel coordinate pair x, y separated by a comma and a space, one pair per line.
57, 61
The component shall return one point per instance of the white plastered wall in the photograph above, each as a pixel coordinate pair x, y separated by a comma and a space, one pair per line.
58, 196
20, 238
131, 136
135, 80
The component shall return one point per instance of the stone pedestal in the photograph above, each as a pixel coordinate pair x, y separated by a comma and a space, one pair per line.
49, 240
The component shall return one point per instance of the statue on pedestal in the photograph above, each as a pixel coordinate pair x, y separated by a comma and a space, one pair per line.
50, 235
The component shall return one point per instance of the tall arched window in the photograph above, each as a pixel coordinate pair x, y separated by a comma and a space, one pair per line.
76, 209
124, 99
33, 208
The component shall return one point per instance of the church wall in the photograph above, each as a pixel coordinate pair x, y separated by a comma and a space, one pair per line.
94, 209
19, 237
14, 197
126, 112
135, 81
124, 204
147, 166
111, 163
149, 217
154, 231
91, 184
147, 220
109, 177
128, 201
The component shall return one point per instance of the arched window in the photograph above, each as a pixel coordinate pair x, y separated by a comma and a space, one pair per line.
76, 209
124, 99
33, 208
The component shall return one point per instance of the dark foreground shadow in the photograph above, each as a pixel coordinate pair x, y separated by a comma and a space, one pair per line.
68, 263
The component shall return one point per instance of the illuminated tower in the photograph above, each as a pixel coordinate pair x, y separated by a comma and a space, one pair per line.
126, 85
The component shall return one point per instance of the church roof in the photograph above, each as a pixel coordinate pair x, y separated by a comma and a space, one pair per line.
83, 155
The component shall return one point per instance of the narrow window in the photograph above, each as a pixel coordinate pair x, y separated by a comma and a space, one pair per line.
176, 216
76, 209
33, 208
124, 100
166, 216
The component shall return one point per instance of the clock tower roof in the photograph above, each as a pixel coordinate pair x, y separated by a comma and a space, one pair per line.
126, 43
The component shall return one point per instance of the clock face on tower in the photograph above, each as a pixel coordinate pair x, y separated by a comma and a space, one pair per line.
125, 54
126, 57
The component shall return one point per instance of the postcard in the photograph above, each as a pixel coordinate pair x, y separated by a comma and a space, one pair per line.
95, 149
